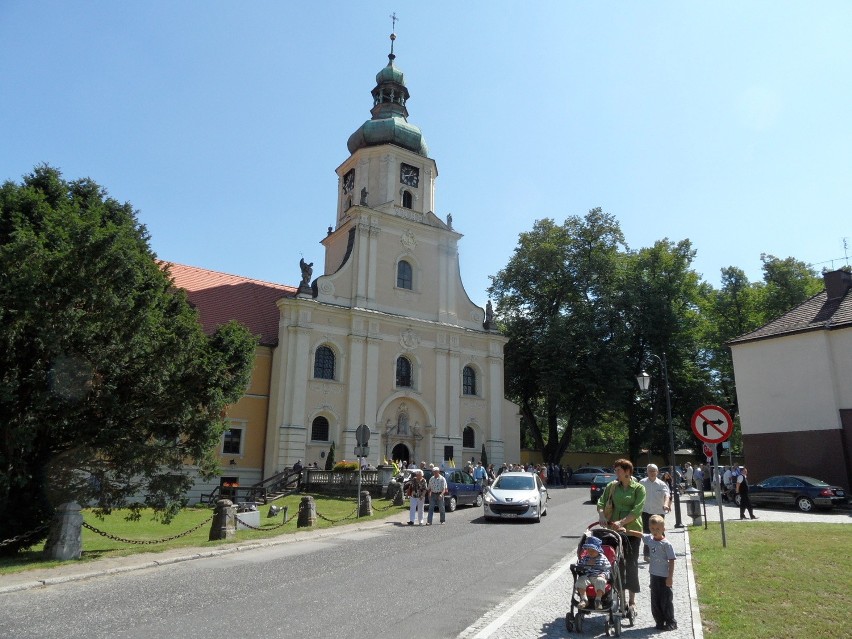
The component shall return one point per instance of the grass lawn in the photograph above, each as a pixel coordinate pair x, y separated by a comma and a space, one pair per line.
337, 509
774, 580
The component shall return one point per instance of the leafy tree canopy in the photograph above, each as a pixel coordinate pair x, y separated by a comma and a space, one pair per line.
109, 385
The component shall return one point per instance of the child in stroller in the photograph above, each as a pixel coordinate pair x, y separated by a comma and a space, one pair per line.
609, 600
593, 568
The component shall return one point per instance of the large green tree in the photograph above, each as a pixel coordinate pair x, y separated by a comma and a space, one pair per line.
110, 388
660, 305
555, 303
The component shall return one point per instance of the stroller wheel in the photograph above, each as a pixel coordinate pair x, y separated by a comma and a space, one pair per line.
569, 622
578, 623
616, 626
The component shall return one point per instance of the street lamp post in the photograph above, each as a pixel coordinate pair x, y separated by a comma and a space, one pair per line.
644, 380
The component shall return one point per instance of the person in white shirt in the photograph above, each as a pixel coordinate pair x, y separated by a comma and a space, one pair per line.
658, 500
437, 490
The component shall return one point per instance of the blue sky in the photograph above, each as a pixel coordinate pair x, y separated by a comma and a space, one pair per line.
727, 123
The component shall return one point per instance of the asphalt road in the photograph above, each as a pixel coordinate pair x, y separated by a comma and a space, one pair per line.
390, 580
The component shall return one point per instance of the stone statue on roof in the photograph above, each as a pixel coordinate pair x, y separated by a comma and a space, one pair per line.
307, 273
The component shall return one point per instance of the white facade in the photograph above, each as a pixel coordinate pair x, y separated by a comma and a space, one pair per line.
390, 289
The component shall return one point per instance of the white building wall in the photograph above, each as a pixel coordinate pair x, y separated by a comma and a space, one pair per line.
786, 385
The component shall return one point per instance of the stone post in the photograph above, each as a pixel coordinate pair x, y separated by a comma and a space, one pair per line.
399, 497
65, 539
224, 525
392, 489
366, 504
307, 512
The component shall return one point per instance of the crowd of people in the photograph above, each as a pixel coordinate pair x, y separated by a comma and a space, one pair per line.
551, 474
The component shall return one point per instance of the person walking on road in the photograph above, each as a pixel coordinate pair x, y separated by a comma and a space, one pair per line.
658, 500
742, 491
620, 508
437, 490
417, 492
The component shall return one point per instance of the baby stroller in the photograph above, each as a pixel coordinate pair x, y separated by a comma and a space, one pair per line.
613, 603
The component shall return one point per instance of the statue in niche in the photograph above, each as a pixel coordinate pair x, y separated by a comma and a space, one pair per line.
364, 194
402, 420
307, 272
449, 220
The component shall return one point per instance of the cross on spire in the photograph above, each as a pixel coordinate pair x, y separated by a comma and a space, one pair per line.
393, 35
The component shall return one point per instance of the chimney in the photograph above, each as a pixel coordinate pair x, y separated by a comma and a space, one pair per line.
837, 283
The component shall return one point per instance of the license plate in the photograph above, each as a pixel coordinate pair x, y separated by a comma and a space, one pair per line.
510, 515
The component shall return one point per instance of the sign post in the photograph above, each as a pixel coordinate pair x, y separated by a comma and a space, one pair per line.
362, 436
713, 425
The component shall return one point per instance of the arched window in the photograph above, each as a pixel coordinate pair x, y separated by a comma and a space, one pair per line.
404, 278
406, 199
324, 363
469, 381
319, 429
468, 437
403, 372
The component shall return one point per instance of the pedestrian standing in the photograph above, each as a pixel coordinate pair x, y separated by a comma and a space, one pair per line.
698, 477
689, 471
417, 492
437, 490
661, 569
479, 474
742, 491
658, 500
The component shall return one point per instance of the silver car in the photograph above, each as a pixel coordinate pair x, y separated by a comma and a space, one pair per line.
516, 496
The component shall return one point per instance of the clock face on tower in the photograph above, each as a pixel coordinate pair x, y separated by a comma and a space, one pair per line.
409, 175
349, 181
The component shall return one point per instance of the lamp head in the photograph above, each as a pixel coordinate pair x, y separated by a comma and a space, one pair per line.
644, 380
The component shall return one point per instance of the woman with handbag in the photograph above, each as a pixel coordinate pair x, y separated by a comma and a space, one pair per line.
620, 508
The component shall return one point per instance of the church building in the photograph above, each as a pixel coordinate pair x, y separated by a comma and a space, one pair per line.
385, 336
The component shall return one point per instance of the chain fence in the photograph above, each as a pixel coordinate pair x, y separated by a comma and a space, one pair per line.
145, 542
26, 535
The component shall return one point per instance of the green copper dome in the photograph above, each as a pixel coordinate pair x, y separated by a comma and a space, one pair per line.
389, 124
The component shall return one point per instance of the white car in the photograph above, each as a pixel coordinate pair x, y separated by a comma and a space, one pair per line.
516, 496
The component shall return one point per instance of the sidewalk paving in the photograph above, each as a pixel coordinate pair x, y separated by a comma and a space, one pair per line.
539, 609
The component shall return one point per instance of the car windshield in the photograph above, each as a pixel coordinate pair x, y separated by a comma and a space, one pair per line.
515, 483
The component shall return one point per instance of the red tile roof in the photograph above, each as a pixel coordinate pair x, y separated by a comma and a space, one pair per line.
220, 297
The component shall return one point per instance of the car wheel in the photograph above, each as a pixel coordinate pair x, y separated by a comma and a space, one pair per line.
451, 506
804, 504
478, 501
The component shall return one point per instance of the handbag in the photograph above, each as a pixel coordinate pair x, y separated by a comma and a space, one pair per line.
609, 505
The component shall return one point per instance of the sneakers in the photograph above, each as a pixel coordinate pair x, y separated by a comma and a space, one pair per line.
753, 517
598, 605
410, 523
583, 602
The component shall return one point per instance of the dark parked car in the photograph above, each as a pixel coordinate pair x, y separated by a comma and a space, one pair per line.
597, 486
806, 493
461, 488
585, 474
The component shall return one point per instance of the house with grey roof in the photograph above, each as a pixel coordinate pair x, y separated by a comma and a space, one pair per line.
794, 387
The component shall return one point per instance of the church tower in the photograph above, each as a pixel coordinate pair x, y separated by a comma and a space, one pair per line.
386, 336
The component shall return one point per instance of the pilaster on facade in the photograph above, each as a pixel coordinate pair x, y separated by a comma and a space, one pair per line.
292, 441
